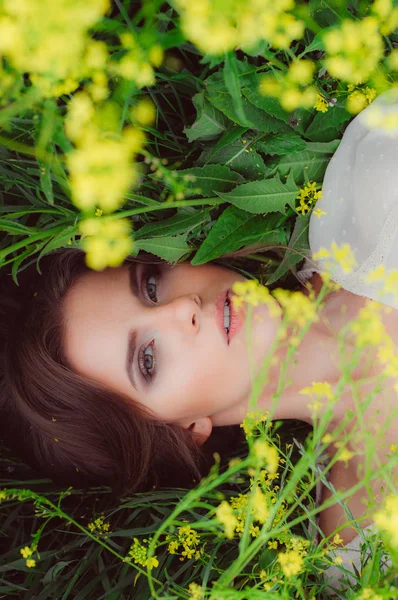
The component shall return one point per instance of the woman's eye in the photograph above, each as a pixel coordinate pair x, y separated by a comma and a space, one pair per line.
146, 360
149, 278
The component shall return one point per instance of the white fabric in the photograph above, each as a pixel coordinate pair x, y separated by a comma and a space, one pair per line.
360, 197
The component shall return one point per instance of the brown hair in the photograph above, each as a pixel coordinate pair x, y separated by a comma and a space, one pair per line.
68, 428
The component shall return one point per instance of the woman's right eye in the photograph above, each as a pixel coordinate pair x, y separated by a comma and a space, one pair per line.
150, 275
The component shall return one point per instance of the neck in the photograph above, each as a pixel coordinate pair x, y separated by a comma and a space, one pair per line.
317, 358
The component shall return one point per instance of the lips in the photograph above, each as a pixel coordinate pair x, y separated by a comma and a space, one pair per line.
235, 318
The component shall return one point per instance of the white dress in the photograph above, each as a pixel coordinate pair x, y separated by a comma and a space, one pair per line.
360, 198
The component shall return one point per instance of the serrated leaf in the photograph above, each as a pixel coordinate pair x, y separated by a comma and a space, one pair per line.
330, 123
171, 249
210, 122
299, 246
238, 158
263, 196
228, 137
178, 223
210, 179
234, 229
231, 79
281, 144
316, 44
255, 118
305, 165
268, 104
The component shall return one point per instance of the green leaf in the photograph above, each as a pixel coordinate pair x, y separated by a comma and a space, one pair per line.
299, 247
283, 143
218, 94
234, 229
171, 249
59, 241
316, 44
306, 165
210, 122
15, 227
178, 223
239, 158
268, 104
227, 138
210, 179
231, 79
329, 125
263, 196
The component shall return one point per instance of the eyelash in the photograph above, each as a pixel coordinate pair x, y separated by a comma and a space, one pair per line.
148, 272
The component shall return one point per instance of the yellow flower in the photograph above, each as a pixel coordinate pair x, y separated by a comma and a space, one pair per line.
26, 552
338, 560
321, 104
195, 591
318, 212
226, 517
220, 27
260, 506
30, 563
301, 71
254, 293
291, 562
298, 308
144, 112
265, 451
387, 15
386, 519
354, 50
48, 40
107, 243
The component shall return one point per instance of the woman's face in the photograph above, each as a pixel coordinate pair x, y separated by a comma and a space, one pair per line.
183, 368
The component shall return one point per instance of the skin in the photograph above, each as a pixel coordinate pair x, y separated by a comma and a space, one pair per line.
201, 381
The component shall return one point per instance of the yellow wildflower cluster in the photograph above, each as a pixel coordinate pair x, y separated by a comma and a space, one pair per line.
376, 117
137, 63
233, 514
359, 99
27, 553
368, 594
139, 554
389, 279
189, 541
106, 242
101, 166
225, 515
50, 41
298, 308
308, 196
354, 49
292, 89
386, 519
252, 421
321, 104
99, 525
292, 562
195, 591
318, 388
343, 255
217, 27
386, 14
265, 452
253, 293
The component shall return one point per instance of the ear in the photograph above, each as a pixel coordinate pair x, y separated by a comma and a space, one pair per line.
201, 429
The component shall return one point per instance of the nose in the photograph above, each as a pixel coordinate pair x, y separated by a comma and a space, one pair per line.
183, 313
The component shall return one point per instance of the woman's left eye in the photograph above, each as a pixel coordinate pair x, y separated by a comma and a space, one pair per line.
149, 287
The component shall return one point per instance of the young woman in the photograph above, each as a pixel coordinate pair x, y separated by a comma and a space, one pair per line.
119, 377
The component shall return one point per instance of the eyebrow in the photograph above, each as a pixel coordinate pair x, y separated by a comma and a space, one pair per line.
132, 336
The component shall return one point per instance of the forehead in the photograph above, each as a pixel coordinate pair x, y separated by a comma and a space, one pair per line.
92, 290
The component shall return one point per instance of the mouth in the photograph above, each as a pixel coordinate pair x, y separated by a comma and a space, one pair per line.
226, 316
